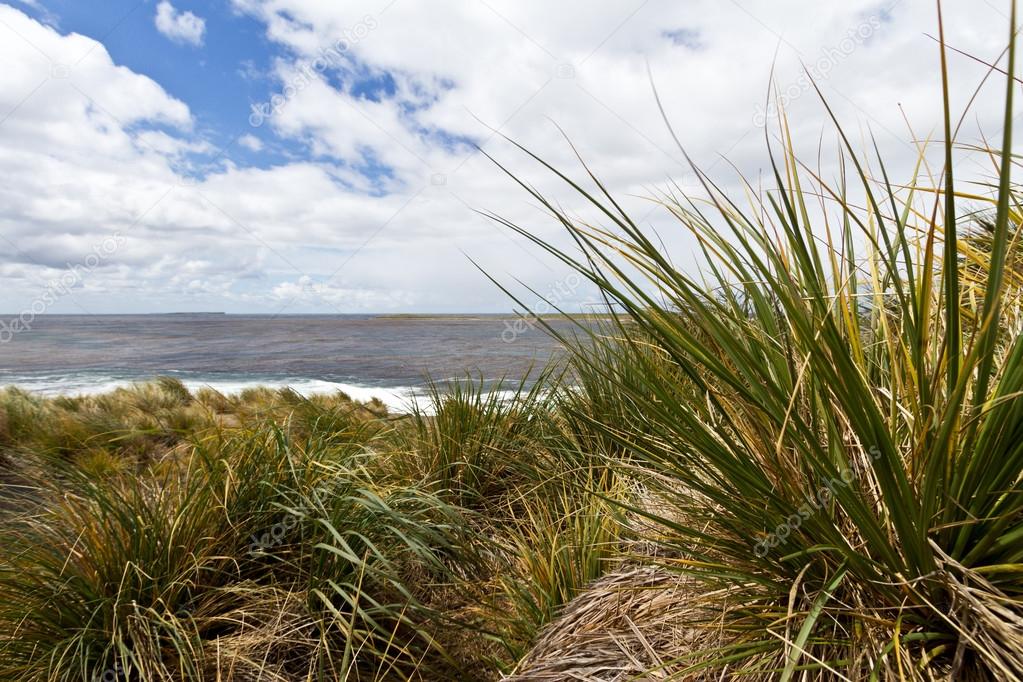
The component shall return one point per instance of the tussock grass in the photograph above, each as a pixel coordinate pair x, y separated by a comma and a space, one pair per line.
268, 536
804, 462
260, 548
474, 445
827, 418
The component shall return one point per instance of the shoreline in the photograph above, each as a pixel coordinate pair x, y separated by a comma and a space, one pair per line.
398, 399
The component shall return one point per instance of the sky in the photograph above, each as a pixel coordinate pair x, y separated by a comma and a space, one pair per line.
315, 156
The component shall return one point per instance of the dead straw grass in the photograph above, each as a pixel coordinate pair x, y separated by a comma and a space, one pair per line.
633, 621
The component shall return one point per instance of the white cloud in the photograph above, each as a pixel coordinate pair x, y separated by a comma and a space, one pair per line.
162, 143
379, 214
45, 13
181, 27
251, 142
306, 290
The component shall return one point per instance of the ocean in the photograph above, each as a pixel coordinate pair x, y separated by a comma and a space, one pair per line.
388, 357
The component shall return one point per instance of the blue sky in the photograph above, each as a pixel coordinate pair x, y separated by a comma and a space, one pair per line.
303, 156
220, 79
207, 77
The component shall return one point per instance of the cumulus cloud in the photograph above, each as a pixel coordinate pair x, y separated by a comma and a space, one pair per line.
373, 207
181, 27
306, 290
44, 12
251, 142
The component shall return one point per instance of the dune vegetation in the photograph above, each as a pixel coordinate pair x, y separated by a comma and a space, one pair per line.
803, 463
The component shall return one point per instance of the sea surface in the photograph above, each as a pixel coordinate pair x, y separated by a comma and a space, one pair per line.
389, 357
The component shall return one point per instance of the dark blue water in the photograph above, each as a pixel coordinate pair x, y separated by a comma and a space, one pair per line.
361, 354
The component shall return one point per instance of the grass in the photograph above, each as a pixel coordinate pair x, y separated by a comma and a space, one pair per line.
828, 417
804, 462
155, 534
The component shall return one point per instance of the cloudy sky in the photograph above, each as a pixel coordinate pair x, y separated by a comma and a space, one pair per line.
296, 156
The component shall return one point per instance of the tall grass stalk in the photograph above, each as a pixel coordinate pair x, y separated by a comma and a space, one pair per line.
832, 445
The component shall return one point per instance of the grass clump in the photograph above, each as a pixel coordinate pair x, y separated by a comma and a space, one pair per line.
471, 443
826, 421
255, 553
278, 537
